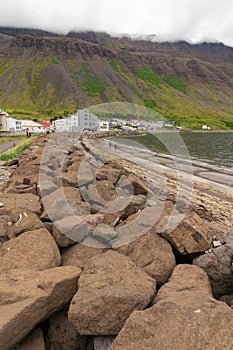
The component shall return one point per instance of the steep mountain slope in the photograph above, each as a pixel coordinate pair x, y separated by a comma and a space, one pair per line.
42, 74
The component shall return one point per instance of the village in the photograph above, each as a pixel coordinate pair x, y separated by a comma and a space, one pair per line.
82, 120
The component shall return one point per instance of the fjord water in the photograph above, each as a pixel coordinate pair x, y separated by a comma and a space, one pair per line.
209, 149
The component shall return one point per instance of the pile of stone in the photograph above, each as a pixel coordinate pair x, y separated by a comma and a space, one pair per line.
81, 271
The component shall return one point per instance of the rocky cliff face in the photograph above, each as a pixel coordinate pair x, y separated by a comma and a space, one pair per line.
44, 71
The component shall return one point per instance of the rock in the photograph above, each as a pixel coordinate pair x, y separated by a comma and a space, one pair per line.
1, 205
217, 265
191, 236
110, 174
23, 221
104, 234
109, 289
100, 193
106, 190
25, 201
74, 228
61, 239
69, 179
135, 226
11, 162
85, 175
184, 317
64, 202
133, 185
4, 228
79, 254
46, 186
228, 299
34, 340
103, 343
29, 297
185, 278
62, 335
153, 254
34, 249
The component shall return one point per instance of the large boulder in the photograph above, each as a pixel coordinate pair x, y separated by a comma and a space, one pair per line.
79, 255
62, 334
28, 297
34, 249
153, 254
218, 265
190, 236
109, 289
133, 185
4, 228
107, 172
25, 201
34, 340
75, 228
185, 316
23, 221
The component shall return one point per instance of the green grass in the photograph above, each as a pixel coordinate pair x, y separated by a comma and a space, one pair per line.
176, 83
16, 152
11, 138
147, 75
54, 60
150, 103
5, 67
93, 85
115, 65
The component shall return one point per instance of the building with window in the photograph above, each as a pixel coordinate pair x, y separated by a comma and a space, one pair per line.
81, 121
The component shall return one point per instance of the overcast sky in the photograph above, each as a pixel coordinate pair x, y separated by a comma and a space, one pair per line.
194, 20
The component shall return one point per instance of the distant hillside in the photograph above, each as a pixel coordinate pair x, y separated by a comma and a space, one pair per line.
43, 74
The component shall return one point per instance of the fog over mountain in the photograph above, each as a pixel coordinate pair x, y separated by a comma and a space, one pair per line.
191, 20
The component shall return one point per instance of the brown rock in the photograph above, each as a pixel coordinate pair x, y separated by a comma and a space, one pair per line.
184, 317
153, 254
106, 190
24, 201
191, 236
74, 228
34, 249
4, 228
110, 174
133, 185
23, 221
29, 297
33, 341
70, 179
110, 288
62, 335
11, 162
218, 266
79, 255
105, 234
61, 239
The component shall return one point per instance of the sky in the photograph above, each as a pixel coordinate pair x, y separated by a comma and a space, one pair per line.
191, 20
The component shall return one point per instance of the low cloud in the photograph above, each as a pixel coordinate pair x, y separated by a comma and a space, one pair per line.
168, 19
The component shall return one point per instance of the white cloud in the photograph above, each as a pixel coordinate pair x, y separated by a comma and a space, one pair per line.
171, 19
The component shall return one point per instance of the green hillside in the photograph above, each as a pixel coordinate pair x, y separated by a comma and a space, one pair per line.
46, 76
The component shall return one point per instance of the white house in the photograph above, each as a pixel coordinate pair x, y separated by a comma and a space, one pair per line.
33, 127
14, 125
104, 125
82, 120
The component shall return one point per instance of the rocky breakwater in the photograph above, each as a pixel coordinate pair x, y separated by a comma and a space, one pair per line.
87, 262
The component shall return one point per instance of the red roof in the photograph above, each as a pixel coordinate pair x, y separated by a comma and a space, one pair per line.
46, 124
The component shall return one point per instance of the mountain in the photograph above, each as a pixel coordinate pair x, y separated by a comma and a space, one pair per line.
43, 74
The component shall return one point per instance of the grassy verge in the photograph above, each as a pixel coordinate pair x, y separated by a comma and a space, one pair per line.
16, 152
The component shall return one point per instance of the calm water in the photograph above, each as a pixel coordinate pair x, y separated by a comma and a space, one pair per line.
213, 149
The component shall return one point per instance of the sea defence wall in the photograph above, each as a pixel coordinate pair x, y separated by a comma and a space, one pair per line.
88, 262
